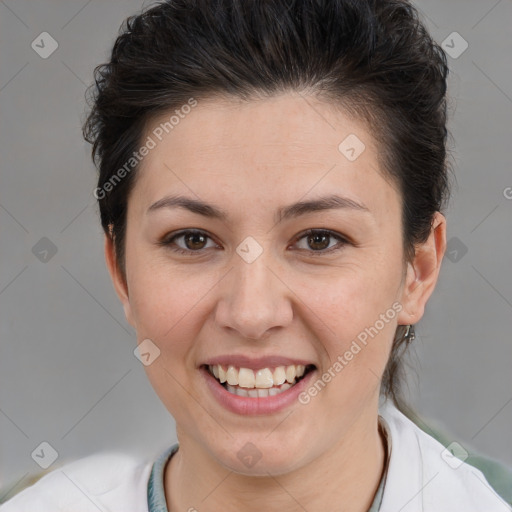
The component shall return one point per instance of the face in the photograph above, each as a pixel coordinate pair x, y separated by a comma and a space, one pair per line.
253, 279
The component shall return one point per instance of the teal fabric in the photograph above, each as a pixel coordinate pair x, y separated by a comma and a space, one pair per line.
375, 507
156, 493
377, 501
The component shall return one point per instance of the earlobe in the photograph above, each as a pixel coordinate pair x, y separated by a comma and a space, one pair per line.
118, 280
423, 272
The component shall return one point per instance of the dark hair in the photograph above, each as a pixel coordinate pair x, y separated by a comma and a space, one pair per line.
373, 58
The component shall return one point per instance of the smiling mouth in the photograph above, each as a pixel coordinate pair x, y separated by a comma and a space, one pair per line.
261, 383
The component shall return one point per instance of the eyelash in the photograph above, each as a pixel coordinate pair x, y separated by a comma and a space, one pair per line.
169, 242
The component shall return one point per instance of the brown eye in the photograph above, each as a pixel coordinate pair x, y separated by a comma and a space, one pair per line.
318, 241
321, 241
188, 242
195, 241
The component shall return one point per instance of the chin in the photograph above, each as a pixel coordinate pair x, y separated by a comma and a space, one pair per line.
260, 458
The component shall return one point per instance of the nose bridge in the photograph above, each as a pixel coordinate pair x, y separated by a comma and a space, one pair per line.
253, 299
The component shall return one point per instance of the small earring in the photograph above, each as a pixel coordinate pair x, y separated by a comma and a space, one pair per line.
410, 334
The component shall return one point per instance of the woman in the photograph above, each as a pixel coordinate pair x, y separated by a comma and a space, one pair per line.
272, 181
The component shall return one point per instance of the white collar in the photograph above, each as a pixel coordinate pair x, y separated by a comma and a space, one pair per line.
423, 476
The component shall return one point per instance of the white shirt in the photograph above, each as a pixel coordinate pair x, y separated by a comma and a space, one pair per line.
422, 476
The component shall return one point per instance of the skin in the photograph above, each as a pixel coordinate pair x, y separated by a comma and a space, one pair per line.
251, 158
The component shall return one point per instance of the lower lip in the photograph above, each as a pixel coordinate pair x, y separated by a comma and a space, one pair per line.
258, 405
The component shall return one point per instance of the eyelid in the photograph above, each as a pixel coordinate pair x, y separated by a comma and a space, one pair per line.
167, 241
342, 240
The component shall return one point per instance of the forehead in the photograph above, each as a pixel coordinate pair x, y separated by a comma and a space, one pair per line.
284, 125
262, 150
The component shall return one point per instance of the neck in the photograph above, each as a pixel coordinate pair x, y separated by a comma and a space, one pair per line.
348, 473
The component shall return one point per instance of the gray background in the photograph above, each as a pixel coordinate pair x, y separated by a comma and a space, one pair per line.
68, 375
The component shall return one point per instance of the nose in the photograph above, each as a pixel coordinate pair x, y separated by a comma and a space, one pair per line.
254, 300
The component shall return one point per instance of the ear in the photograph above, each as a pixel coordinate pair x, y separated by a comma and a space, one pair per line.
120, 284
422, 273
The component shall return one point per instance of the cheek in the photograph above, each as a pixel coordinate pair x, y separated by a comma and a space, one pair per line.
166, 305
349, 299
163, 296
353, 313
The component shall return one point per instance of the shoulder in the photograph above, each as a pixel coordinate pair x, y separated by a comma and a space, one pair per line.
437, 477
102, 481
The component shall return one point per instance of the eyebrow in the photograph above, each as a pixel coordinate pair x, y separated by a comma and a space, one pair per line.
294, 210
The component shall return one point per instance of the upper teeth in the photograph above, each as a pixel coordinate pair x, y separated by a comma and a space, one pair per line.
263, 378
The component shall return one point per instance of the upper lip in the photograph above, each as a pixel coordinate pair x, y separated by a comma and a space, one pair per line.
255, 363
